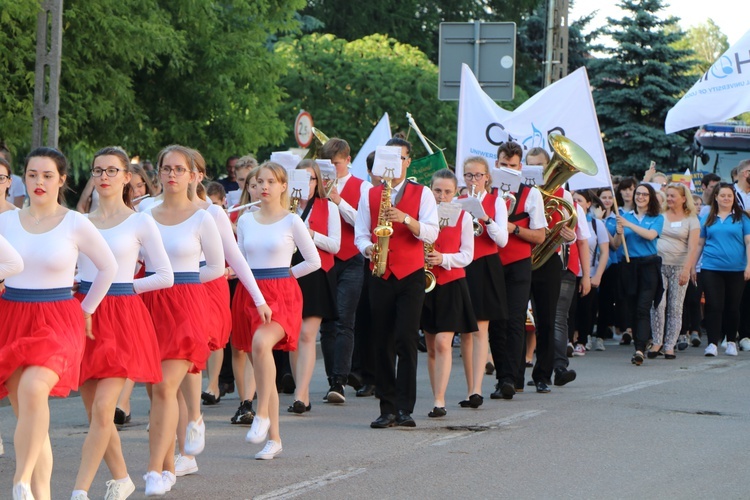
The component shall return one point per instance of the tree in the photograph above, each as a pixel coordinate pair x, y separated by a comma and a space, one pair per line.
706, 42
635, 87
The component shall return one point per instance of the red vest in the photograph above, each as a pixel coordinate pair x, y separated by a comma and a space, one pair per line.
574, 259
351, 193
449, 241
484, 245
318, 219
517, 249
406, 253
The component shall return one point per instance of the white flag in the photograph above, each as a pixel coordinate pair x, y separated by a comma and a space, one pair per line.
566, 107
378, 137
721, 93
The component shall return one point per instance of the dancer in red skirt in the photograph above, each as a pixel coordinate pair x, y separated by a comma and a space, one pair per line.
447, 309
10, 261
267, 239
322, 219
179, 313
41, 348
124, 344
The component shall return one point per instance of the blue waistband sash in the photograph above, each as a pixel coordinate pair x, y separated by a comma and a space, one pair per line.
271, 273
37, 294
115, 289
183, 278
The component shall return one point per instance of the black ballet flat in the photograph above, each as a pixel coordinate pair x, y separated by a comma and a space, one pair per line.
670, 356
475, 401
299, 407
465, 403
438, 411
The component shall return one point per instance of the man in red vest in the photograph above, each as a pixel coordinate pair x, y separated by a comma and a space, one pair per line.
396, 298
526, 228
337, 337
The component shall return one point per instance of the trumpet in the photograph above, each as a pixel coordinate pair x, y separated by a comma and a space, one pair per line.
328, 185
382, 232
478, 228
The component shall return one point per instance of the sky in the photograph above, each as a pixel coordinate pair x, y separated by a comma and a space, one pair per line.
727, 14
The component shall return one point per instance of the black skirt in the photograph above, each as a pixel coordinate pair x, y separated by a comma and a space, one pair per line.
487, 288
447, 308
318, 292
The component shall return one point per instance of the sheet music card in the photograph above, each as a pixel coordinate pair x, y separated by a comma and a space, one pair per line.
506, 179
448, 214
473, 206
327, 170
387, 162
286, 159
533, 175
299, 184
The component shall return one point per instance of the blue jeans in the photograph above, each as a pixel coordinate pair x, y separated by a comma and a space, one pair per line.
337, 337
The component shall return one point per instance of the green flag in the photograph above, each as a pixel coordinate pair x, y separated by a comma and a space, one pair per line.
423, 168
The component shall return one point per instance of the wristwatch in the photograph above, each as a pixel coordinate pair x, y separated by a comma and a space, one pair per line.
517, 230
407, 220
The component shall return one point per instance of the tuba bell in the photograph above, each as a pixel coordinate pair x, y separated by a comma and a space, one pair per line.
568, 159
319, 140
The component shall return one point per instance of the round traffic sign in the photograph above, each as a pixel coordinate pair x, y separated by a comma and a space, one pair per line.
303, 129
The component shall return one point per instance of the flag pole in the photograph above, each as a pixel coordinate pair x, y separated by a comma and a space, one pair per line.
421, 136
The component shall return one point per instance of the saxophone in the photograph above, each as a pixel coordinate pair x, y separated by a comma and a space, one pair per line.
382, 232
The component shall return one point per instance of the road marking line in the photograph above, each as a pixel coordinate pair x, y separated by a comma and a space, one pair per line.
495, 424
628, 388
297, 489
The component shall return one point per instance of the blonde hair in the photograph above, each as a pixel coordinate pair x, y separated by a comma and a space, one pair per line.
247, 161
281, 176
481, 161
245, 194
688, 206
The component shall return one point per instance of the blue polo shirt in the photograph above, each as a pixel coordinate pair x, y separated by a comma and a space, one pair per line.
724, 249
611, 223
641, 247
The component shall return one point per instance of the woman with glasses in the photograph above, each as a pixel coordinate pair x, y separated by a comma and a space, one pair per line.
124, 344
42, 339
641, 285
678, 248
179, 312
5, 182
141, 184
725, 267
484, 276
321, 217
267, 238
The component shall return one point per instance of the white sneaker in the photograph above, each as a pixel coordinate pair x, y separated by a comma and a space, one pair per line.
724, 343
169, 480
154, 484
119, 490
711, 350
22, 491
579, 350
695, 339
744, 346
195, 437
80, 496
184, 466
731, 349
271, 450
590, 343
598, 344
258, 431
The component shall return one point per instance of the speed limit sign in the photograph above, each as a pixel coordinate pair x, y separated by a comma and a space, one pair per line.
303, 129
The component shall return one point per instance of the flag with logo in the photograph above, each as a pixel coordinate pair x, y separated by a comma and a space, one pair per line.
378, 137
566, 107
723, 92
421, 169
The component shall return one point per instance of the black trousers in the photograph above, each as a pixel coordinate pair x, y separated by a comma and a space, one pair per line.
640, 284
723, 297
363, 358
226, 375
606, 307
691, 307
545, 292
507, 337
744, 329
396, 307
586, 315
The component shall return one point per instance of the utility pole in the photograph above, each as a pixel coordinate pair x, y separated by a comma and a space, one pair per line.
46, 127
556, 55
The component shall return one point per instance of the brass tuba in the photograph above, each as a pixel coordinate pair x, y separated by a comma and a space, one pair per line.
569, 158
382, 232
319, 140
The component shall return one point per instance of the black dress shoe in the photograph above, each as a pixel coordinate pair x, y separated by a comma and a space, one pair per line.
366, 391
209, 399
120, 417
503, 391
404, 419
542, 388
489, 368
354, 381
384, 421
465, 403
299, 407
564, 376
475, 400
438, 411
225, 388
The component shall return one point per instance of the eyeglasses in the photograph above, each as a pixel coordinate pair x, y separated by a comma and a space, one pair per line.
178, 171
111, 171
641, 193
313, 179
469, 177
4, 178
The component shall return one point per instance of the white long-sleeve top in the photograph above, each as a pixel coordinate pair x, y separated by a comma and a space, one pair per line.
10, 261
268, 246
50, 258
428, 219
534, 206
232, 253
498, 232
184, 243
466, 251
330, 243
348, 212
126, 240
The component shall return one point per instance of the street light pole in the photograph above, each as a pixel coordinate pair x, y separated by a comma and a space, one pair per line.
46, 126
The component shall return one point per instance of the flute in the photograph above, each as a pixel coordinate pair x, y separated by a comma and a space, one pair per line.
140, 198
240, 207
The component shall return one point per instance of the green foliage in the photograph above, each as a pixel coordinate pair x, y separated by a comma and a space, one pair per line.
706, 43
635, 87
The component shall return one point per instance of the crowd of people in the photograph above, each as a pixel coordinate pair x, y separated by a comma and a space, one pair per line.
161, 275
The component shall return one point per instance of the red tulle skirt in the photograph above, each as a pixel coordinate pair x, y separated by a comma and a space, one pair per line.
219, 313
48, 334
180, 316
284, 297
124, 344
